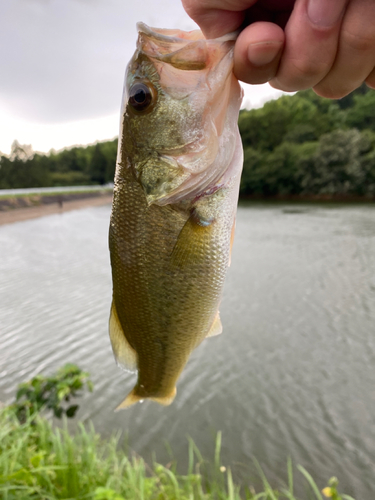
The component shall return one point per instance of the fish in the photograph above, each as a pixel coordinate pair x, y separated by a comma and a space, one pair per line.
175, 197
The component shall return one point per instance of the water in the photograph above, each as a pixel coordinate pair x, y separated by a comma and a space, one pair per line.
293, 374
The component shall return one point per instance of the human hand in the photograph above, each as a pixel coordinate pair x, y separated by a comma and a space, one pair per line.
328, 45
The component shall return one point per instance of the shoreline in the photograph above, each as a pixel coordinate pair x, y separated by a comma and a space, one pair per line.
35, 207
33, 212
309, 198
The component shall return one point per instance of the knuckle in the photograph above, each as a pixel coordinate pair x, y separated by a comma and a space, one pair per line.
302, 74
309, 69
370, 80
359, 41
255, 76
260, 78
330, 92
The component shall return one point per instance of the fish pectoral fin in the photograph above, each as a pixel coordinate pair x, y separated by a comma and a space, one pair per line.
190, 245
133, 398
216, 327
125, 355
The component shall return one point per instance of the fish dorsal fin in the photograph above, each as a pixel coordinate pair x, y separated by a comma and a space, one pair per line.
216, 327
125, 355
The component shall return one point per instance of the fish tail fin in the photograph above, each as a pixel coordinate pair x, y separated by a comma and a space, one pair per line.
130, 400
166, 400
133, 398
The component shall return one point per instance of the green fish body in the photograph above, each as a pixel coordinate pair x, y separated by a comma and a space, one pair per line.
175, 197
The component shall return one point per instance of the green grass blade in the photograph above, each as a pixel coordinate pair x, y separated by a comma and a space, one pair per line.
217, 450
290, 476
311, 482
267, 487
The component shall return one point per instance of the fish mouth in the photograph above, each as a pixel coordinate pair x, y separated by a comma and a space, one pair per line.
169, 35
186, 50
186, 65
175, 35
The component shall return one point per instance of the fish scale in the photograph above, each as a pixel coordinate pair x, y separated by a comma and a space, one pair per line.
169, 258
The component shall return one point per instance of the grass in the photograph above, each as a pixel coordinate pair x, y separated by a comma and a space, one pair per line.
40, 462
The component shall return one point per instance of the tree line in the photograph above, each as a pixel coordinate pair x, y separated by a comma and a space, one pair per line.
298, 145
307, 145
77, 166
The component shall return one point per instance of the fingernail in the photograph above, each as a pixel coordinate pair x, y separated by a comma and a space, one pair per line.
325, 13
262, 53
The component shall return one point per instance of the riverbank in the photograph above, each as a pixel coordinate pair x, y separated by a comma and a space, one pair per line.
309, 198
41, 461
17, 209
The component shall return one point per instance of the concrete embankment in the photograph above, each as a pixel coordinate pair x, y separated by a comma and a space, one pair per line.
18, 208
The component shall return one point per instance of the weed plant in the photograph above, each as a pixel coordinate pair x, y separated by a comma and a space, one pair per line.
40, 462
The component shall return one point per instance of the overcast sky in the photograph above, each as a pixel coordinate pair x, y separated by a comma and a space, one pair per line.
63, 63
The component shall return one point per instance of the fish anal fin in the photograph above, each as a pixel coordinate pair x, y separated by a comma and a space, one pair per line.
125, 355
216, 327
133, 398
190, 244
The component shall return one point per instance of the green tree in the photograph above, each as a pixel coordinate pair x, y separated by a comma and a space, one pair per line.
303, 116
305, 144
362, 114
109, 149
337, 165
98, 165
23, 168
252, 179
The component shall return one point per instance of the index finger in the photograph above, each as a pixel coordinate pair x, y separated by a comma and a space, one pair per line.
217, 17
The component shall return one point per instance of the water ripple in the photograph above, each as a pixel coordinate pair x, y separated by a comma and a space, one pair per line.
292, 374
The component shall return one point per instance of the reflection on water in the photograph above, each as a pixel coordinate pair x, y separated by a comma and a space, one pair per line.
292, 374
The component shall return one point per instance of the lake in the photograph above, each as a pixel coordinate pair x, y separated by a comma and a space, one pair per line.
293, 373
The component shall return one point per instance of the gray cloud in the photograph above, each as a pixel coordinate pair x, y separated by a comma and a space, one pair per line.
64, 60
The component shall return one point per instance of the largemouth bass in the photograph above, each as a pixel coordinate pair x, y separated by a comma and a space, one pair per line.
175, 197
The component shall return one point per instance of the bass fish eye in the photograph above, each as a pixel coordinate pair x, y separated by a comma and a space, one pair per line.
141, 96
